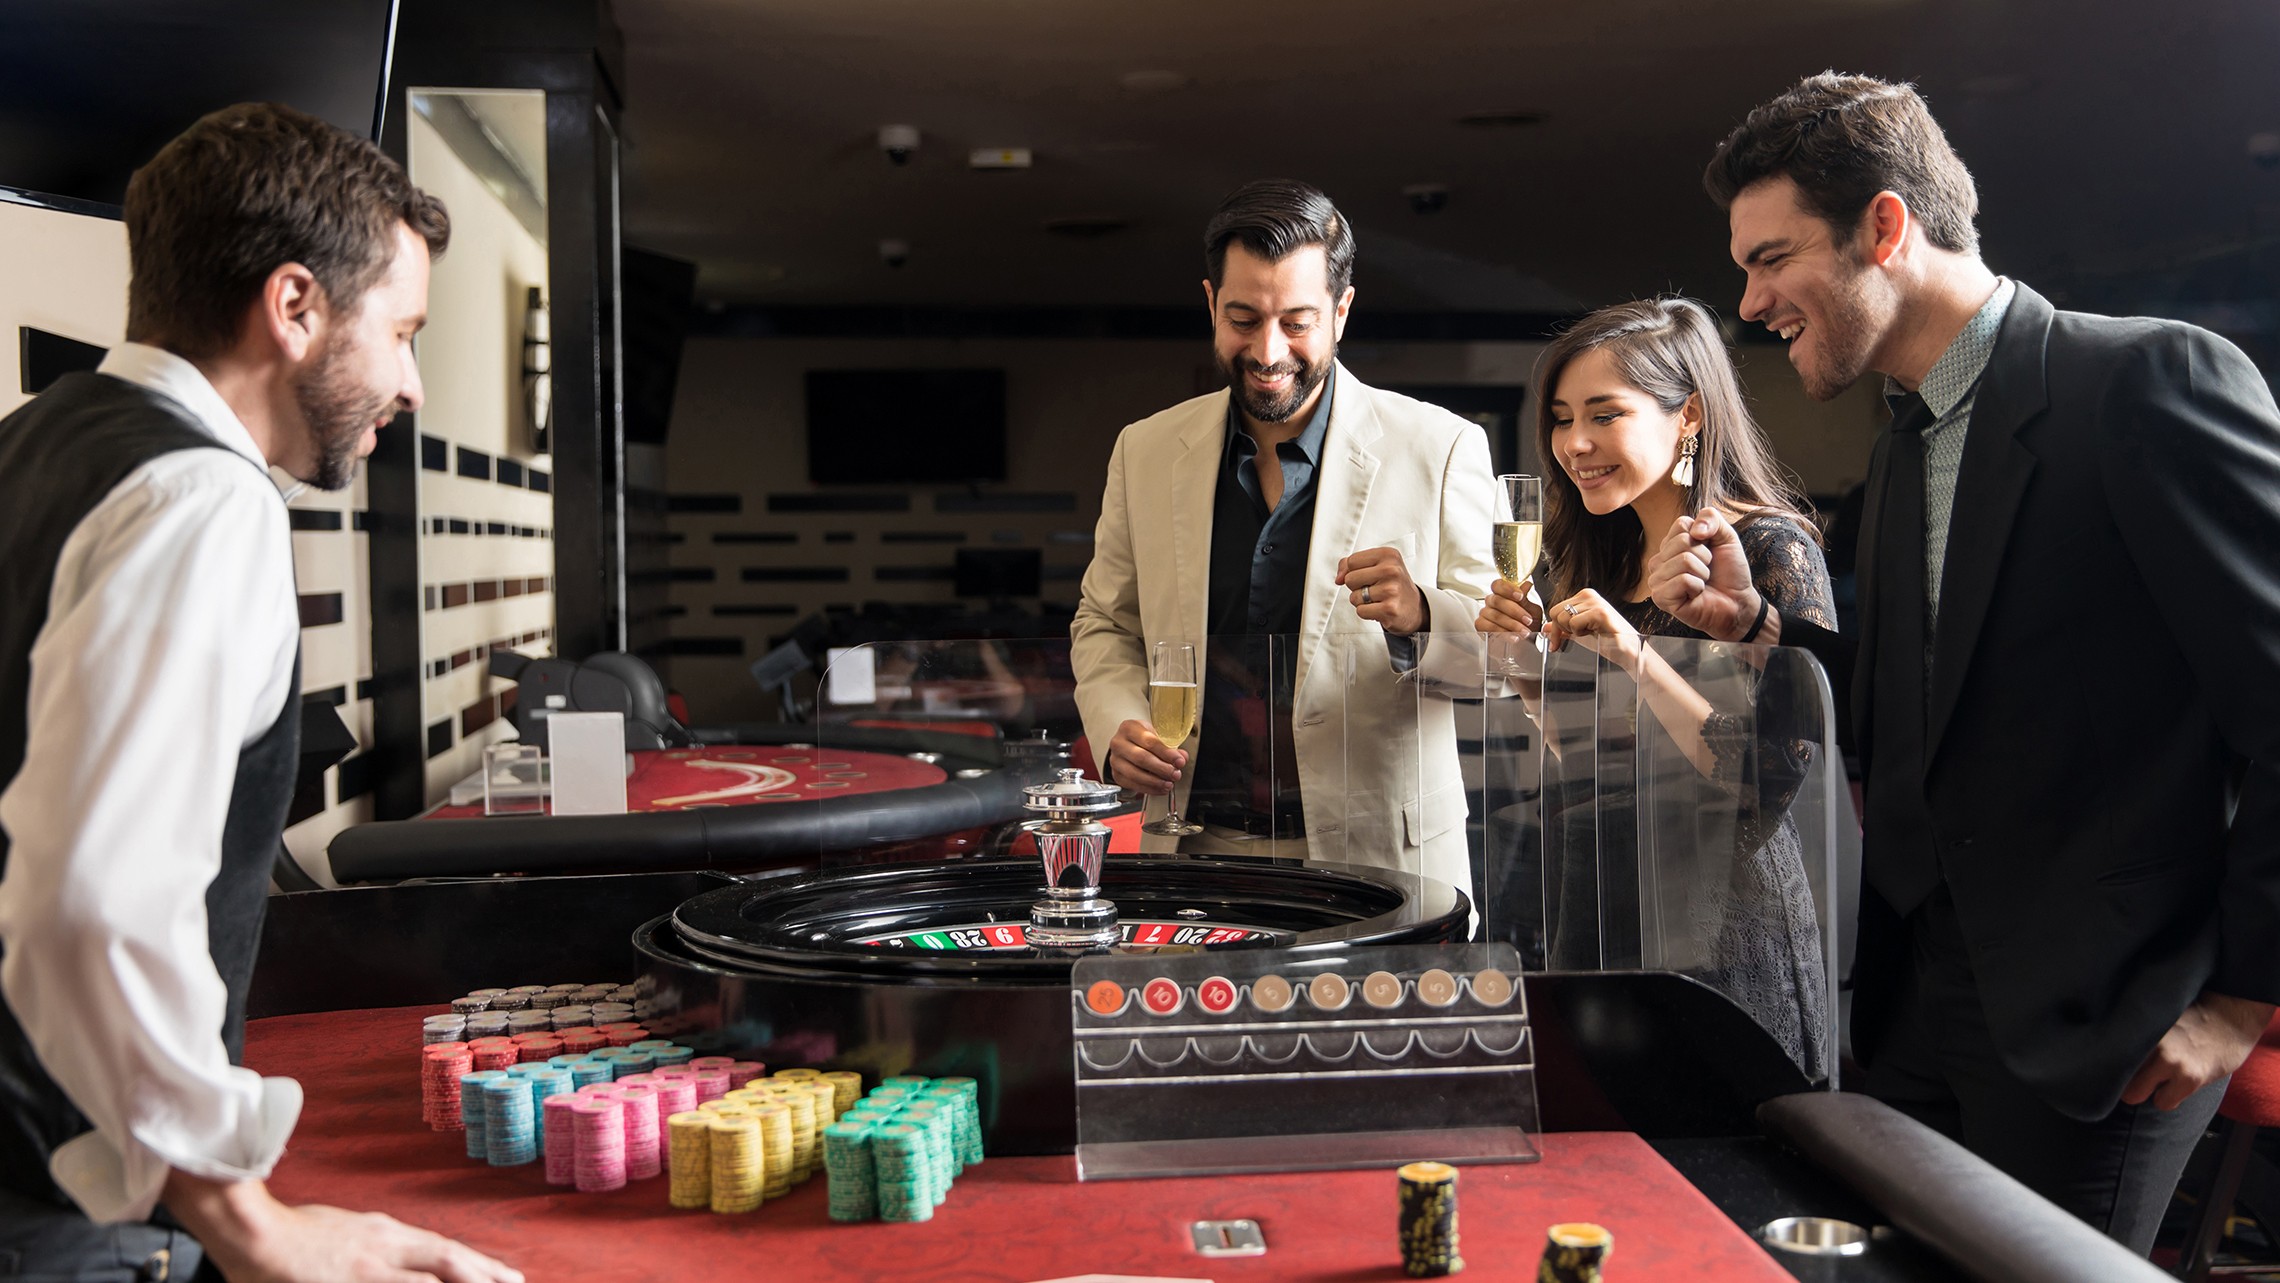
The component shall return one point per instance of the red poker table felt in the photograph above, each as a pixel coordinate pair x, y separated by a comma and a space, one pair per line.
680, 779
360, 1144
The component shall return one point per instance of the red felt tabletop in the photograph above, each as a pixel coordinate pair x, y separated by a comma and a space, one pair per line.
361, 1144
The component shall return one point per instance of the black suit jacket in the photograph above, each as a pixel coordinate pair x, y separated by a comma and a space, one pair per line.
2103, 734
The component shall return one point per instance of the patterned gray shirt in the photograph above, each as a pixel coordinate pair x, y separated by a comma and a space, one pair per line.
1949, 391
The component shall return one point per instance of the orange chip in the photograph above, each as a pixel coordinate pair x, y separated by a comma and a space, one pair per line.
1105, 997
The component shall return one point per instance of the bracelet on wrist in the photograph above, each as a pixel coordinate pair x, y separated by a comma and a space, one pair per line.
1765, 604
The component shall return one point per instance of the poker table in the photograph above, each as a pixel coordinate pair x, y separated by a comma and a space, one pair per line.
783, 797
1667, 1115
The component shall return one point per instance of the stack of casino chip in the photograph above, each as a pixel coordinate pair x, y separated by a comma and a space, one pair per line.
941, 1142
1575, 1252
598, 1127
1429, 1221
854, 1191
688, 1143
508, 1126
449, 1027
547, 1083
804, 1132
441, 1067
581, 1039
494, 1052
712, 1084
970, 1092
899, 1161
558, 1125
488, 1024
737, 1173
776, 1143
642, 1159
846, 1089
471, 1116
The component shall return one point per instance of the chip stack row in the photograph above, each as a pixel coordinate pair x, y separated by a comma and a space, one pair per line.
471, 1116
598, 1124
854, 1190
689, 1162
441, 1067
737, 1163
901, 1171
508, 1126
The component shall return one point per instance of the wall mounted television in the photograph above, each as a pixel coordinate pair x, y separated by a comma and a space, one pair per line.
867, 427
88, 91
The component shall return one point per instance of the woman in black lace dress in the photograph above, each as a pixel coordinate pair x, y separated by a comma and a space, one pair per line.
1643, 423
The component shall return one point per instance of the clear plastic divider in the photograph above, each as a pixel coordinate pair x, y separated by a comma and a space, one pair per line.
1686, 819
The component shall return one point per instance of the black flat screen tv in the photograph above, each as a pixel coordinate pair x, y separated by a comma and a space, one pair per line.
89, 89
885, 426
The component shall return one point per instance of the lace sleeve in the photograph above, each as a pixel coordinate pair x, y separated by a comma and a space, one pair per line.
1789, 569
1764, 769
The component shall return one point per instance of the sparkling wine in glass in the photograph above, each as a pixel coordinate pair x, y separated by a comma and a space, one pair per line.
1519, 527
1172, 711
1519, 541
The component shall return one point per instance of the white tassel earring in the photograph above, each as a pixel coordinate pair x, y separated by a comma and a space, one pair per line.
1683, 474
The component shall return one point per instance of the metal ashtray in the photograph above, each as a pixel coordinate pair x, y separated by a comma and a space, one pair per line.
1814, 1236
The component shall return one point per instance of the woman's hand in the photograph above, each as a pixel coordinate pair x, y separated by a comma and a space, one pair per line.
1508, 609
1592, 620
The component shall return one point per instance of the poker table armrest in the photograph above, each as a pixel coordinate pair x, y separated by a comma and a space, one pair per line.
1985, 1223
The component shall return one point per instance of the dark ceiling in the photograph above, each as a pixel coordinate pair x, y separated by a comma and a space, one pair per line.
2111, 140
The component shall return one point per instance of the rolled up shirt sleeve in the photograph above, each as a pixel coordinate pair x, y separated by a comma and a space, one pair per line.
168, 647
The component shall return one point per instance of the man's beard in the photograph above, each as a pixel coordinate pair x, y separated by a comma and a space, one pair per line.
1274, 409
338, 407
1847, 339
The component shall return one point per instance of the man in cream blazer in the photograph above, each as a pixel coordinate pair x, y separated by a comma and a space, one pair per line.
1401, 497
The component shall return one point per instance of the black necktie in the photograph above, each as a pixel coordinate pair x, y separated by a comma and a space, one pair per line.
1902, 863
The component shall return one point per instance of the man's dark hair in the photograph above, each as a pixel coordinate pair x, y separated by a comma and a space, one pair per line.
1273, 218
245, 191
1843, 139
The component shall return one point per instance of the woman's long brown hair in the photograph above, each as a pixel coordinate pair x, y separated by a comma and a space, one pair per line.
1668, 349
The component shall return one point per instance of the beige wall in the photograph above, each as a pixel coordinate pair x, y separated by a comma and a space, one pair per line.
470, 358
63, 273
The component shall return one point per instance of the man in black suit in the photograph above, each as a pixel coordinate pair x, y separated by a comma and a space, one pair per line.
2066, 684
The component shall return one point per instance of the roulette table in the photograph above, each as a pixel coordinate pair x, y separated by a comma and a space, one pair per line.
1667, 1115
780, 798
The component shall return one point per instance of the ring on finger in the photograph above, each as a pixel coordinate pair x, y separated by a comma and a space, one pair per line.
1574, 608
1365, 594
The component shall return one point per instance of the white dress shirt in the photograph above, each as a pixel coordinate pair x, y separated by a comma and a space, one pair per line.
168, 647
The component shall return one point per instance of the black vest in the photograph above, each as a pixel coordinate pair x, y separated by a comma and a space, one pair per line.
59, 456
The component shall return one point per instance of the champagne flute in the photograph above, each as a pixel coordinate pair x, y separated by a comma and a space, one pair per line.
1519, 539
1172, 708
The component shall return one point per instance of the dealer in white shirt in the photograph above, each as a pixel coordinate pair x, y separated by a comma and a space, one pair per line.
280, 272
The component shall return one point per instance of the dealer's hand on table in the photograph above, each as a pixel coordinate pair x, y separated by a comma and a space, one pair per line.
1137, 760
2209, 1041
253, 1238
1377, 582
1593, 621
1508, 609
1700, 575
